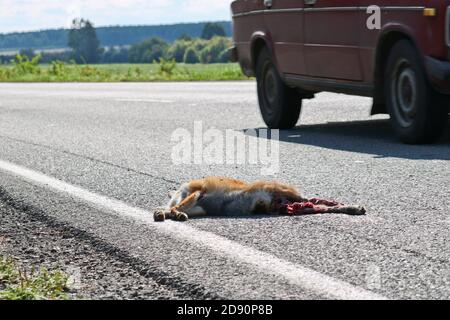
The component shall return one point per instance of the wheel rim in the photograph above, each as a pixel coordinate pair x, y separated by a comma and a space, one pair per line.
404, 93
269, 88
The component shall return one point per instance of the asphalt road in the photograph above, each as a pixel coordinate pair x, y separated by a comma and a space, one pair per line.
113, 142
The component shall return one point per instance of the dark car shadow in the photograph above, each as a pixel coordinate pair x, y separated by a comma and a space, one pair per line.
369, 137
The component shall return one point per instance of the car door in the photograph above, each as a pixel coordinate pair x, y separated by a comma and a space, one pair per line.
284, 25
331, 39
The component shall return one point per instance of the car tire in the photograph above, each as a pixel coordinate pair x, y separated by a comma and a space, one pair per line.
280, 105
416, 114
444, 101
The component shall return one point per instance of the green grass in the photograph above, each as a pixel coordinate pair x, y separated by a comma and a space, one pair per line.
59, 72
17, 284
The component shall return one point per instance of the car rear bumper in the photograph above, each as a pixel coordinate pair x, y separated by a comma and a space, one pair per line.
439, 74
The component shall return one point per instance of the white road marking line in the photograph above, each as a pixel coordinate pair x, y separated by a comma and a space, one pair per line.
295, 274
144, 100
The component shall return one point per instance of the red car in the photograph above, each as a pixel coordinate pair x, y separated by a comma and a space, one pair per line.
396, 51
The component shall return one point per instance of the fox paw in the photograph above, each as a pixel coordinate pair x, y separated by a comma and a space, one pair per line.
181, 217
159, 216
356, 211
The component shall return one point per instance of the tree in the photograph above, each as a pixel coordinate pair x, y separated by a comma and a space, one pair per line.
224, 57
191, 56
29, 53
211, 30
148, 50
212, 52
178, 50
84, 41
185, 37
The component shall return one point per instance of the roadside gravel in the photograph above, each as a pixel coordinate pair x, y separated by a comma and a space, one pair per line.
35, 241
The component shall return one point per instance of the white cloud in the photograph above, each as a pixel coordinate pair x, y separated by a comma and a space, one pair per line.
19, 15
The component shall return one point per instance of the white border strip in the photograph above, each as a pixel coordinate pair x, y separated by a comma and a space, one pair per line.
305, 278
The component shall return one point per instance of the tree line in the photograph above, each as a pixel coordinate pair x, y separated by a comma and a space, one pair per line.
210, 47
112, 36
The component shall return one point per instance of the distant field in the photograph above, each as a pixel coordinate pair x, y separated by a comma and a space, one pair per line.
120, 73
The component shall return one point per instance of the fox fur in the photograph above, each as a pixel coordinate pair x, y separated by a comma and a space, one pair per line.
219, 196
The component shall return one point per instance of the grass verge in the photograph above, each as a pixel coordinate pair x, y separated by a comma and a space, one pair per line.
62, 72
18, 284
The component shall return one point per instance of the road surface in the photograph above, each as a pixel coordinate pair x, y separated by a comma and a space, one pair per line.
91, 161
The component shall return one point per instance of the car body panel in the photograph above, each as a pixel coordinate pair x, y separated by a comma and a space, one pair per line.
327, 46
287, 37
331, 44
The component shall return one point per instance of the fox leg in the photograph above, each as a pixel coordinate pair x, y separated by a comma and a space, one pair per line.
181, 212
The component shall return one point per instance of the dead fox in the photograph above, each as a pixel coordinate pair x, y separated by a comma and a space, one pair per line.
218, 196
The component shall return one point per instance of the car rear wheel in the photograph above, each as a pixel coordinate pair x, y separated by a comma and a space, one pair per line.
416, 114
280, 105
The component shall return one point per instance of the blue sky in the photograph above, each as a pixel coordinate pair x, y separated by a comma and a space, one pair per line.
28, 15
